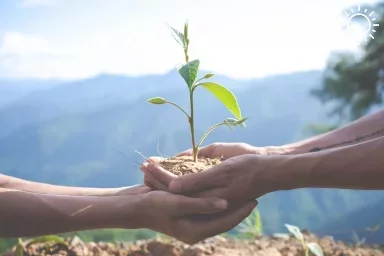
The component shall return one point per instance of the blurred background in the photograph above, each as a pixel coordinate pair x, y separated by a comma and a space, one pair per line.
75, 77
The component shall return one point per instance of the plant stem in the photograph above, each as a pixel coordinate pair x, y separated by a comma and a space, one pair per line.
174, 104
208, 131
191, 125
305, 248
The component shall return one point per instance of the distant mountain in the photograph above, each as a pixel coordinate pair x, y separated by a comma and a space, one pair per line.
22, 103
13, 90
72, 133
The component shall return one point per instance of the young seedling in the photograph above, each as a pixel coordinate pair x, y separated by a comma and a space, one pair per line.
47, 240
313, 247
252, 226
189, 72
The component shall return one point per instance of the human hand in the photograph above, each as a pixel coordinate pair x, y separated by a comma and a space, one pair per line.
225, 150
237, 179
222, 150
189, 220
132, 190
230, 149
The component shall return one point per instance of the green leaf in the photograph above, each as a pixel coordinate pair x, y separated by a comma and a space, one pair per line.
242, 122
234, 121
295, 231
178, 36
157, 100
189, 72
225, 96
231, 120
186, 32
209, 75
49, 238
19, 248
315, 249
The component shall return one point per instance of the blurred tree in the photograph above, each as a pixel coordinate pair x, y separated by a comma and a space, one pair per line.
354, 82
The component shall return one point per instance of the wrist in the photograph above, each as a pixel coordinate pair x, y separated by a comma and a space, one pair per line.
296, 171
112, 212
286, 172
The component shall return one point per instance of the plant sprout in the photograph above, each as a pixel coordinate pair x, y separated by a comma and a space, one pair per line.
252, 226
41, 239
313, 247
188, 72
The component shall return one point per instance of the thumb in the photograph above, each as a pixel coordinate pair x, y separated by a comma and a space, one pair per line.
192, 182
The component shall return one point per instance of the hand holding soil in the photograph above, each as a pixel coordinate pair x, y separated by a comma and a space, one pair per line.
237, 179
190, 220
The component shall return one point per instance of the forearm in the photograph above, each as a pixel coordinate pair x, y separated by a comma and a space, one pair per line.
363, 129
359, 166
8, 182
25, 214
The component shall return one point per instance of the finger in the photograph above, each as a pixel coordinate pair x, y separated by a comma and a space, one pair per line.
211, 193
195, 182
155, 159
224, 193
152, 159
181, 205
156, 183
162, 175
219, 223
149, 184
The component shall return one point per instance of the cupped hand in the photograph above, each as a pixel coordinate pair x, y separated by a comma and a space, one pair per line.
190, 220
220, 149
237, 179
225, 150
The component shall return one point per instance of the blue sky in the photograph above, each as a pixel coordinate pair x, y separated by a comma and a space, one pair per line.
72, 39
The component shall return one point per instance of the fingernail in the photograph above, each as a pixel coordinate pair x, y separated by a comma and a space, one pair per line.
221, 204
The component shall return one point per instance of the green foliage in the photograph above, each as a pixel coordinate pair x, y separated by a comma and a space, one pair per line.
157, 100
225, 96
308, 247
19, 248
105, 235
315, 249
189, 72
47, 239
252, 226
351, 81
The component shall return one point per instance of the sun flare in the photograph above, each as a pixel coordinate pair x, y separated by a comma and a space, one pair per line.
366, 14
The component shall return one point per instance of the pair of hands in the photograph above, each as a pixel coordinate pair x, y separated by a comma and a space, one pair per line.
237, 181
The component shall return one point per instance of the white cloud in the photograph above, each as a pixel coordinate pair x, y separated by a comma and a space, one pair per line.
24, 55
134, 39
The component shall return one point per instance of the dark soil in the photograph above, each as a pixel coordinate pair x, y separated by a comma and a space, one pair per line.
183, 165
278, 245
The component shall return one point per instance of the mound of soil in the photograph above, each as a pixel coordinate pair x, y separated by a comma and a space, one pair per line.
182, 165
278, 245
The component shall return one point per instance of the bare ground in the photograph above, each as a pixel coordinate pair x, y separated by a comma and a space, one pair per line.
282, 245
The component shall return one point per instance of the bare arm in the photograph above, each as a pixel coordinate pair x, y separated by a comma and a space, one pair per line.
359, 166
8, 182
363, 129
25, 214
